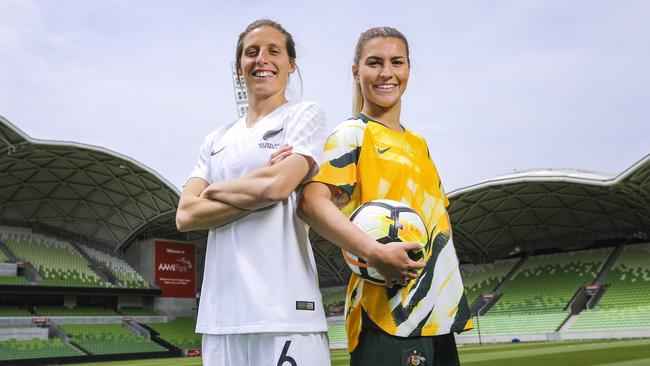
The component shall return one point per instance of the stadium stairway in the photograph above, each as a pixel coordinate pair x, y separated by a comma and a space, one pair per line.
95, 266
32, 273
56, 332
609, 264
155, 337
510, 274
568, 322
581, 300
481, 306
7, 252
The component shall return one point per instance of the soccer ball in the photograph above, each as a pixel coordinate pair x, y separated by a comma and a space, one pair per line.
387, 221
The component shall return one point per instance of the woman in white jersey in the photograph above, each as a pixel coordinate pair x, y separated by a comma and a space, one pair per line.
260, 303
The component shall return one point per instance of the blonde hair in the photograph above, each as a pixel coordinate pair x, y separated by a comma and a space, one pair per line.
375, 32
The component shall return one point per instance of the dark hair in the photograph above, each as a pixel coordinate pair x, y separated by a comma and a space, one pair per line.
376, 32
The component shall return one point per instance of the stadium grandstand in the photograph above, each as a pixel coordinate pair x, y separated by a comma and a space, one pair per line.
85, 234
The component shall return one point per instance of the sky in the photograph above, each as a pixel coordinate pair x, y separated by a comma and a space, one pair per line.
496, 86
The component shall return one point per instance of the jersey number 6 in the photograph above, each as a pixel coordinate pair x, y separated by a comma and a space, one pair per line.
284, 358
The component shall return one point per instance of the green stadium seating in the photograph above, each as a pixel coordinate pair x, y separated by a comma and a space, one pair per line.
78, 311
336, 333
12, 311
3, 257
625, 303
103, 339
127, 276
534, 300
57, 261
36, 348
14, 280
520, 323
481, 278
546, 283
180, 332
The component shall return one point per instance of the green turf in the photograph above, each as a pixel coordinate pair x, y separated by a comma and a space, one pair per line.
635, 352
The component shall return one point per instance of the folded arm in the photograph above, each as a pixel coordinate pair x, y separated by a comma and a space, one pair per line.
263, 186
198, 213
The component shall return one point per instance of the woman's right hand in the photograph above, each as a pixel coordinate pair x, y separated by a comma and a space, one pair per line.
280, 154
393, 263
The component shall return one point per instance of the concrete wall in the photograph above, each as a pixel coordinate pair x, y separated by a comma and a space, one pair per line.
176, 306
129, 301
70, 301
24, 333
104, 319
141, 256
8, 269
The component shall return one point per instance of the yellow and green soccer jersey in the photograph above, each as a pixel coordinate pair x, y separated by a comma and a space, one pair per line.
369, 161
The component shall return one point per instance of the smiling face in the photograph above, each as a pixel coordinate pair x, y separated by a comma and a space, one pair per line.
265, 63
382, 72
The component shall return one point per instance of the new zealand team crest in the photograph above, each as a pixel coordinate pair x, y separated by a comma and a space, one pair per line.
413, 357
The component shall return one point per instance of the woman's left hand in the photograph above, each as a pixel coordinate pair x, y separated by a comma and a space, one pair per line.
280, 154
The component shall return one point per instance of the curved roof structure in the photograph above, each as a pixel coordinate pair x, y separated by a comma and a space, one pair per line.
533, 210
112, 199
85, 190
551, 208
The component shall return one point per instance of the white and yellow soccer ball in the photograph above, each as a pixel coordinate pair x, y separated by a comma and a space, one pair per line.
387, 221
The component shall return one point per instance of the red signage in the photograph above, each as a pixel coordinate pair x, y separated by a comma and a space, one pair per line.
40, 320
175, 269
193, 352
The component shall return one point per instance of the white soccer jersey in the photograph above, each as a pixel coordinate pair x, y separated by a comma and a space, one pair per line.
260, 274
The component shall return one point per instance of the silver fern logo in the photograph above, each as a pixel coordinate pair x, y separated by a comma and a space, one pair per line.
271, 133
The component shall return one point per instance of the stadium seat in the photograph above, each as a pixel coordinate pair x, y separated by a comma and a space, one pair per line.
14, 280
546, 283
13, 349
625, 303
127, 276
58, 263
336, 333
13, 311
77, 311
481, 278
103, 339
179, 332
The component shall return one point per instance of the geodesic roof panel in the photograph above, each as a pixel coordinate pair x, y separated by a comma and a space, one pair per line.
550, 208
86, 190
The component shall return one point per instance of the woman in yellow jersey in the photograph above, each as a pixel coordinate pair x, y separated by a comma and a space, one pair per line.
374, 156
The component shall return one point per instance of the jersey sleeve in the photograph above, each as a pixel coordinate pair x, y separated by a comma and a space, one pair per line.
341, 156
202, 167
306, 134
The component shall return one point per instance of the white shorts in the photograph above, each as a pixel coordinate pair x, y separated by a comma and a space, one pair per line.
266, 349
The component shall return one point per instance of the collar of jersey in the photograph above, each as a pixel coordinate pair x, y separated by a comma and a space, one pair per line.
367, 119
268, 116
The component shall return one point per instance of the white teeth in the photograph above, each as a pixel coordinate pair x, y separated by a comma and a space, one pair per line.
386, 86
263, 74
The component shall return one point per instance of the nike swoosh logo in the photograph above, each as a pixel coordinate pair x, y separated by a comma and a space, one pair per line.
380, 151
216, 152
270, 133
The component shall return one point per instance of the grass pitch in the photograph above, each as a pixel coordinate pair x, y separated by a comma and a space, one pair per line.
635, 352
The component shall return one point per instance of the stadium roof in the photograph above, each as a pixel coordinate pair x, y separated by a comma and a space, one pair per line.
546, 209
106, 197
95, 193
550, 208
